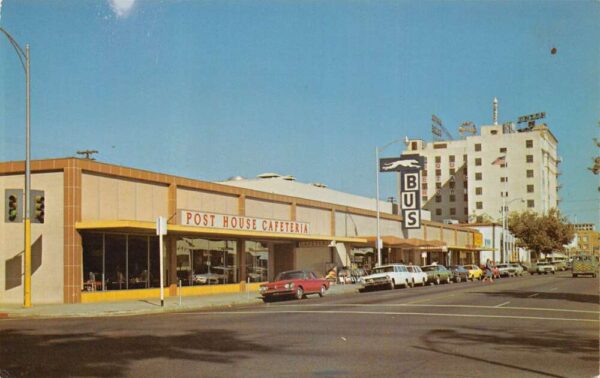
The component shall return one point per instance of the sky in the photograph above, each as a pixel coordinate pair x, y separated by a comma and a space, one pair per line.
214, 89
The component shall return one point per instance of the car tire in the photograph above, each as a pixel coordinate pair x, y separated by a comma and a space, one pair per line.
458, 279
267, 299
553, 272
448, 280
392, 285
299, 293
411, 283
322, 291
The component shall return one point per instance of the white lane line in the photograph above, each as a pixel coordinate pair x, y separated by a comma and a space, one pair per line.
554, 288
434, 305
501, 304
420, 301
270, 313
533, 295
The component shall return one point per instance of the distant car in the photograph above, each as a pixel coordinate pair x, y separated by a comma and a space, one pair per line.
210, 278
417, 275
294, 283
544, 268
388, 276
507, 270
437, 274
459, 273
475, 272
559, 265
518, 268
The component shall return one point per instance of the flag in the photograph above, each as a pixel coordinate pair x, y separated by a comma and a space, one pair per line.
501, 160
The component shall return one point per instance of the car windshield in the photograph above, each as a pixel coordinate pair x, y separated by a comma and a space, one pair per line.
289, 276
383, 269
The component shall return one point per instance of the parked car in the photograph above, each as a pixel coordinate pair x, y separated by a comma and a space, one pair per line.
437, 274
459, 273
559, 265
543, 268
417, 275
518, 268
584, 265
507, 270
294, 283
389, 276
475, 272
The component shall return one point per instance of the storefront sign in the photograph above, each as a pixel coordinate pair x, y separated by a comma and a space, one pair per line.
242, 223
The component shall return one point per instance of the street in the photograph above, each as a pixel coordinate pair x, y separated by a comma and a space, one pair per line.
544, 325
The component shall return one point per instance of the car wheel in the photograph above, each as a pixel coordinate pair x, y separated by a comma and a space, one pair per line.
299, 293
323, 290
448, 280
553, 272
458, 279
392, 285
267, 299
437, 280
574, 275
412, 283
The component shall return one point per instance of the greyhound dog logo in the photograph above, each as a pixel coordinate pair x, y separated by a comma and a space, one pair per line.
411, 163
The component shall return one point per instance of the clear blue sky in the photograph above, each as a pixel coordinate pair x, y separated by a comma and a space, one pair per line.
213, 89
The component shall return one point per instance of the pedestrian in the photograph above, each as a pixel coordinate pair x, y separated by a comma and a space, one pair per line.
489, 273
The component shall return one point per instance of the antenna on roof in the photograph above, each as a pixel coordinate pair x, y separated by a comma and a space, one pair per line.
88, 154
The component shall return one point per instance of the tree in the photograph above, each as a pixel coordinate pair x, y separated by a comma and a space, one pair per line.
596, 167
541, 233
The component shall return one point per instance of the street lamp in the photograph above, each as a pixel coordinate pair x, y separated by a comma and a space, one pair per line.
378, 240
24, 58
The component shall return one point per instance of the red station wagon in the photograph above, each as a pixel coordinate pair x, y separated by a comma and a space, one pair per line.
294, 283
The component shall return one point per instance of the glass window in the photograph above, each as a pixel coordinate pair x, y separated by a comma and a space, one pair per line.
477, 146
206, 262
530, 158
530, 173
452, 211
529, 188
503, 150
93, 257
529, 143
477, 161
452, 198
257, 261
479, 205
478, 176
115, 261
479, 191
530, 203
438, 159
438, 198
137, 262
438, 211
451, 158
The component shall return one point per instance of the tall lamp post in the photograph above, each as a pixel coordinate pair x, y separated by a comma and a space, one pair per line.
24, 58
377, 151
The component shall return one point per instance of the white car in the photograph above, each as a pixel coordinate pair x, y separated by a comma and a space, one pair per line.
417, 275
389, 276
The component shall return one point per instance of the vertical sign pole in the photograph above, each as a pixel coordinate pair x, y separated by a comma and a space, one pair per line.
161, 229
378, 237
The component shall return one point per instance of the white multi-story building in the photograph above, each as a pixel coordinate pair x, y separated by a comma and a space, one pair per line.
461, 181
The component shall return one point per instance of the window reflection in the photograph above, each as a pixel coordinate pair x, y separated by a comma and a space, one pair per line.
257, 261
207, 262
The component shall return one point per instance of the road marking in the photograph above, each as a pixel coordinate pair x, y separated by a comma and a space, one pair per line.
270, 313
435, 305
501, 304
554, 288
533, 295
420, 301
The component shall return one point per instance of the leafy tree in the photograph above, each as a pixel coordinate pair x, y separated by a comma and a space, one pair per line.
541, 233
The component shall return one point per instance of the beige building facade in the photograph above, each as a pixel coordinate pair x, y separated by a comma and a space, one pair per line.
98, 239
462, 183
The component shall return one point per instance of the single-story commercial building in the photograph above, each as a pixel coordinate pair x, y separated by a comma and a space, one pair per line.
96, 239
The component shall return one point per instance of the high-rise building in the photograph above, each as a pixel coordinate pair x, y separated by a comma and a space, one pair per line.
471, 178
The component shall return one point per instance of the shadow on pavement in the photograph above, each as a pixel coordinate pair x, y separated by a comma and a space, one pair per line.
449, 342
583, 298
111, 353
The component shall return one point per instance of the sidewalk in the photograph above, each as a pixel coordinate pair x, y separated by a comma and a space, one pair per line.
146, 306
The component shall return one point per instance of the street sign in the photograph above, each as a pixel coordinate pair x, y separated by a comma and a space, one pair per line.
161, 226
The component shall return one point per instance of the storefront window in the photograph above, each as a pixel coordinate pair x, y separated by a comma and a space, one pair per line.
119, 262
207, 262
257, 261
93, 248
115, 248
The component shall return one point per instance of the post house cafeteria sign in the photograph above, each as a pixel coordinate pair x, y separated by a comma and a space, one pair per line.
242, 223
409, 167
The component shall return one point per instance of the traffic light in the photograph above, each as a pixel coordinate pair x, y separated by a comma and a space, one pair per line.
12, 208
13, 205
38, 207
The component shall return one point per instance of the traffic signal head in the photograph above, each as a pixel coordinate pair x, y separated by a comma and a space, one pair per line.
12, 208
39, 205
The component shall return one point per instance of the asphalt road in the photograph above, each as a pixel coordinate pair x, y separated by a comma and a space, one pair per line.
518, 327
